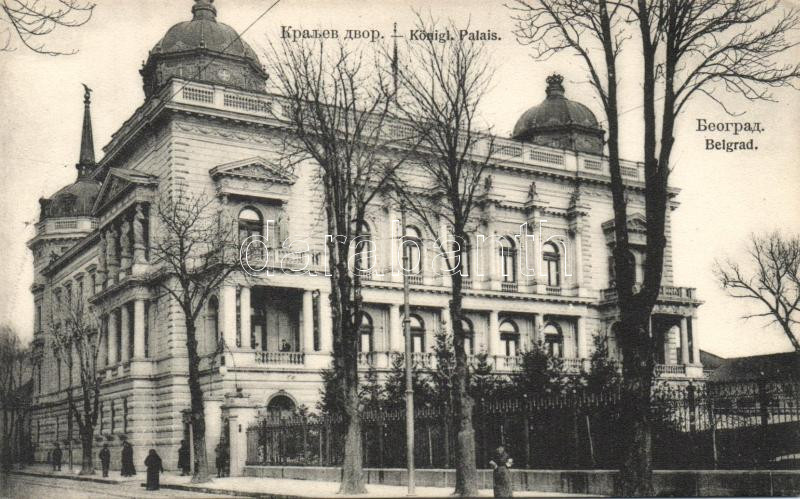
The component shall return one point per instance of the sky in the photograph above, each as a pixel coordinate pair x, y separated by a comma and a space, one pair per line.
724, 196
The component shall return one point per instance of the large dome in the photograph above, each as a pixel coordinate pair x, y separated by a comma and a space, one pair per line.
560, 122
204, 32
203, 50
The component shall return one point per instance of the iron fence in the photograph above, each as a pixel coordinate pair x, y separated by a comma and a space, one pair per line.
751, 425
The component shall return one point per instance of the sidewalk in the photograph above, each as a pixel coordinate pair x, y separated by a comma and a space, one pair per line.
263, 487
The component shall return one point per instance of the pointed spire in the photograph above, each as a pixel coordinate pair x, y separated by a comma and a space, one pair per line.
86, 161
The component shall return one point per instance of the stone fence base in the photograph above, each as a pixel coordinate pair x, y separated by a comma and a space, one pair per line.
591, 482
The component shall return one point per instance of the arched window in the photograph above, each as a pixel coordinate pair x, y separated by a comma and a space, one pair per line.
552, 262
366, 330
365, 251
417, 327
508, 260
282, 406
412, 245
469, 336
213, 319
553, 339
250, 224
509, 337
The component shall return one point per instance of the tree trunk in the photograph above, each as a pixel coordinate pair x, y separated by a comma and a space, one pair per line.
87, 443
466, 469
198, 409
636, 472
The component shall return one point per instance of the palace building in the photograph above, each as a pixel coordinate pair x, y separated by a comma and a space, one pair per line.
204, 124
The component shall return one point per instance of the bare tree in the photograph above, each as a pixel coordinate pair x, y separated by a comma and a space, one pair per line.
15, 359
195, 251
31, 21
337, 109
440, 90
686, 47
76, 332
771, 278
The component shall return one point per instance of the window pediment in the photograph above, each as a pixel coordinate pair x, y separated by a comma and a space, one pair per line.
637, 230
253, 178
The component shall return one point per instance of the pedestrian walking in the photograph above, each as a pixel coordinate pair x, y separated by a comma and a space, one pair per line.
128, 469
105, 459
184, 459
56, 457
501, 463
154, 469
219, 460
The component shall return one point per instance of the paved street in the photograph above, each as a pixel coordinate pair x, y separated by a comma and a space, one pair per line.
21, 486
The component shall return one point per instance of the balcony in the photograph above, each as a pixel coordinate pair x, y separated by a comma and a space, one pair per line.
280, 358
415, 279
666, 293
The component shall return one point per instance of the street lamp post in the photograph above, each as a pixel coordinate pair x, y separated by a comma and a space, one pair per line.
409, 378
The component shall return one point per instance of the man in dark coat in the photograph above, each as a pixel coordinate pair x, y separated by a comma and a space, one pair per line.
56, 457
154, 469
184, 459
128, 469
105, 459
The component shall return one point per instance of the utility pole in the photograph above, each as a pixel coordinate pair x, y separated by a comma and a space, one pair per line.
409, 378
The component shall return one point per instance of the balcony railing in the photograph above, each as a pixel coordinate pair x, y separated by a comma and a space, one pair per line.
292, 358
553, 290
670, 370
509, 287
415, 279
366, 358
665, 293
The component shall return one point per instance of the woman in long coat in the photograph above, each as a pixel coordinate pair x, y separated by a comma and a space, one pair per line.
500, 463
154, 469
128, 469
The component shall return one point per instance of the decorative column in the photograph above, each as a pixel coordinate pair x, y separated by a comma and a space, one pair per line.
684, 341
112, 337
244, 317
111, 255
308, 321
695, 343
493, 334
538, 325
138, 329
102, 350
139, 249
325, 322
395, 329
125, 330
125, 249
228, 314
102, 264
580, 337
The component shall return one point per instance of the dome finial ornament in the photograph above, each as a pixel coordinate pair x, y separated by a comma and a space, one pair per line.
204, 10
555, 87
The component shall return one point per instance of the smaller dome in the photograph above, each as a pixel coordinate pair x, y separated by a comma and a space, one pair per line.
74, 200
559, 122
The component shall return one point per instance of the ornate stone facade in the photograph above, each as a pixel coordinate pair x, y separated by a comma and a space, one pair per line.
217, 138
